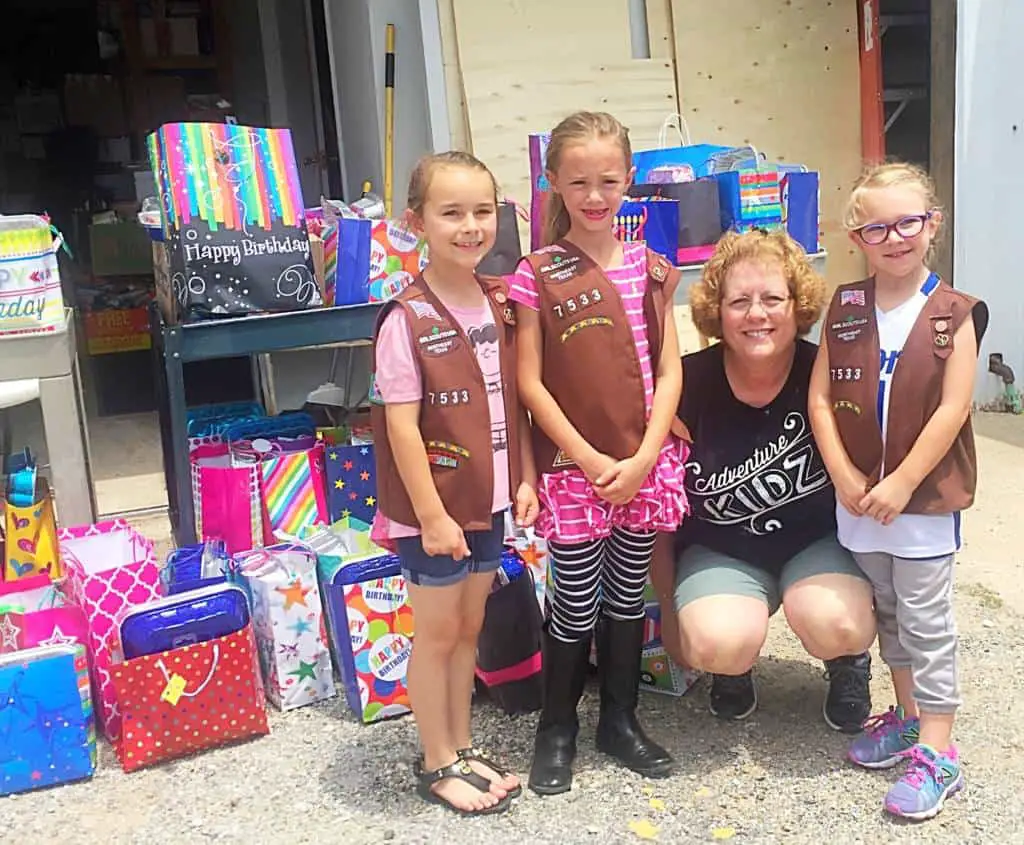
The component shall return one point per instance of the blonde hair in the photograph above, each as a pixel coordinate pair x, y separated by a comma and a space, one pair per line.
577, 128
888, 175
423, 174
765, 248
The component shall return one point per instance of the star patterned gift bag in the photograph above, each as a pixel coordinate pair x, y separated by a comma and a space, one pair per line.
289, 623
47, 733
189, 699
351, 483
34, 612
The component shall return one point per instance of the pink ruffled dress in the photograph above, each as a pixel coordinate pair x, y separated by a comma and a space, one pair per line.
571, 510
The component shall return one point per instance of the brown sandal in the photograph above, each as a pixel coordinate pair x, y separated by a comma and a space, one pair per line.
468, 754
459, 769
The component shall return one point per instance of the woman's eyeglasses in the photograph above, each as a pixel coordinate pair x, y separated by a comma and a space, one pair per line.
907, 227
771, 304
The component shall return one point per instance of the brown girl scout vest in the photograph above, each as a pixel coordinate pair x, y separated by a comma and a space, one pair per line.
591, 365
454, 414
915, 392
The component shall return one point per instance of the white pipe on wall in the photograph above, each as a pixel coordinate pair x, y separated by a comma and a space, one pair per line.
639, 35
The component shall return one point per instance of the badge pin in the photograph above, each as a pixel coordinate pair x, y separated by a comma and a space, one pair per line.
941, 325
658, 272
942, 340
500, 298
846, 405
509, 315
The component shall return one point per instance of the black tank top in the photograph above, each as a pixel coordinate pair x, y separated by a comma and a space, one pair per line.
757, 486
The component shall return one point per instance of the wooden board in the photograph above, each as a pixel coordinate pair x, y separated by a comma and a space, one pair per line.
527, 34
784, 76
506, 103
659, 29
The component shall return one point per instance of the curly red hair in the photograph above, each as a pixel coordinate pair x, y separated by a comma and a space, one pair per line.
772, 248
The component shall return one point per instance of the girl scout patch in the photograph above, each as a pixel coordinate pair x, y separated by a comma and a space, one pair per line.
447, 455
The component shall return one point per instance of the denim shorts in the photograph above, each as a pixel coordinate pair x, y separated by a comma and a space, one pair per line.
485, 549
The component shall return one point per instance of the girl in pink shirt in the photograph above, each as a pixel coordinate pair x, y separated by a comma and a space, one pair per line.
600, 515
449, 570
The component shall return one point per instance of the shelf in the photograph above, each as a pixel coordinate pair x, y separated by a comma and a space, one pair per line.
902, 97
180, 63
915, 19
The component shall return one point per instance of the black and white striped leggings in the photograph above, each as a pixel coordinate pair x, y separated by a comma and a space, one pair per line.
608, 574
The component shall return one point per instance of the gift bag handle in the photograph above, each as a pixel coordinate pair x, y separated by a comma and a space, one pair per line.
209, 677
677, 122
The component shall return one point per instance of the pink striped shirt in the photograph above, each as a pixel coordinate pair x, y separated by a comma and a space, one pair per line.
571, 510
630, 281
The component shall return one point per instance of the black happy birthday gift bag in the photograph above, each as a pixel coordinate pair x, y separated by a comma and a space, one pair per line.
233, 219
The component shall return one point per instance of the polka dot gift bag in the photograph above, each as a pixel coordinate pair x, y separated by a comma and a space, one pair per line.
189, 699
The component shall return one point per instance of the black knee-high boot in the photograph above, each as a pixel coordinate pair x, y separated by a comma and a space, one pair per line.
619, 646
565, 673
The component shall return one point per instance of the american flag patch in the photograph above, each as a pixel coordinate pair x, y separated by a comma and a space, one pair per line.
425, 311
851, 297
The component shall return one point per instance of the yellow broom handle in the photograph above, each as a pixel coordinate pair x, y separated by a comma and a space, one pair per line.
389, 118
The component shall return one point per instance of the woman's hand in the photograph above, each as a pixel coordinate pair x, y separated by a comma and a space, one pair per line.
527, 506
887, 499
620, 482
443, 536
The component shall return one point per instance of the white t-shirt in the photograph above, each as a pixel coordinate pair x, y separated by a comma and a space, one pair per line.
908, 535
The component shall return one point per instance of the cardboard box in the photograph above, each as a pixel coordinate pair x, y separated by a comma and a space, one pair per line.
120, 249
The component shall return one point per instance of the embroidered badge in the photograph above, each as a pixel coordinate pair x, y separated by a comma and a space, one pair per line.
585, 324
852, 297
425, 311
438, 341
849, 328
846, 373
447, 455
846, 405
562, 460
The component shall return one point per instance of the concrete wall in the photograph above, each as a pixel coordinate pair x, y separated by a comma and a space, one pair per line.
989, 176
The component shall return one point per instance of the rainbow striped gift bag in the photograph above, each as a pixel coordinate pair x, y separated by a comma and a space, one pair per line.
294, 491
234, 220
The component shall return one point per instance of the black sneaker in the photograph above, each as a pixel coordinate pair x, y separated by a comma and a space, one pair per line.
848, 702
733, 697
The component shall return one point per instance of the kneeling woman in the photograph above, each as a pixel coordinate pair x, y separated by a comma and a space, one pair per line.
762, 532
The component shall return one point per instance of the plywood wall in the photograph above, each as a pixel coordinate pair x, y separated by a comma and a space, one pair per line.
784, 76
525, 64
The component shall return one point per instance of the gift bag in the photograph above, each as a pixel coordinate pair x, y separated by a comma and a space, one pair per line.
507, 250
659, 672
227, 499
289, 624
31, 299
509, 655
34, 612
110, 569
750, 198
351, 483
539, 187
681, 162
532, 552
30, 537
800, 198
293, 489
397, 256
189, 699
352, 274
47, 728
700, 218
369, 620
652, 220
234, 220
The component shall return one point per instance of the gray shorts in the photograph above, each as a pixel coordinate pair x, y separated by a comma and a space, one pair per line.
701, 572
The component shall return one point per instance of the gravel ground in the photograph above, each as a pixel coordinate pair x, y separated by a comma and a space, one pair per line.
779, 777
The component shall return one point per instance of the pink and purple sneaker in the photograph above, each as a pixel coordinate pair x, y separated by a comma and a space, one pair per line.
930, 779
886, 738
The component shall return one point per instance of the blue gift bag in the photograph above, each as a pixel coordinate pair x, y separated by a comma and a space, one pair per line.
47, 729
353, 275
655, 221
800, 191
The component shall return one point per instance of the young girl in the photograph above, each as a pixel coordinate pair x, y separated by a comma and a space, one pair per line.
447, 426
897, 442
599, 372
